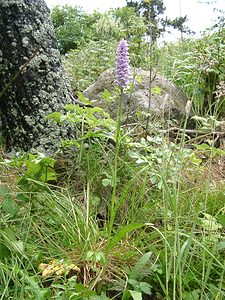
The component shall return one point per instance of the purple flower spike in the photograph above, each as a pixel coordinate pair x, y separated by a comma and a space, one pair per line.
122, 64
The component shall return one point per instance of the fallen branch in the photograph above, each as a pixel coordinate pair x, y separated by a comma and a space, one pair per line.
192, 131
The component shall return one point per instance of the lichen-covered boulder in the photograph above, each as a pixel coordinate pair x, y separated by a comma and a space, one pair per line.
165, 97
32, 79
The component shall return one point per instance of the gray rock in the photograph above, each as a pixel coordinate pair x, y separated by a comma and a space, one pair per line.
166, 97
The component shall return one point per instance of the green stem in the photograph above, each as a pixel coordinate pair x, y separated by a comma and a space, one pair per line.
112, 212
115, 169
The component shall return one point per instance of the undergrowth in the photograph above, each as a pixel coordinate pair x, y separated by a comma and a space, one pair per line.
71, 229
167, 239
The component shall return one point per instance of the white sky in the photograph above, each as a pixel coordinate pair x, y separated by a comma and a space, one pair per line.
200, 15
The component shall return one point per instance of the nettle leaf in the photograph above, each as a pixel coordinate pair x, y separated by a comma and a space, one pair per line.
85, 291
33, 168
218, 151
194, 160
214, 150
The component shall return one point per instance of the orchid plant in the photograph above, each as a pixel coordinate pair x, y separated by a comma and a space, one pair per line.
122, 81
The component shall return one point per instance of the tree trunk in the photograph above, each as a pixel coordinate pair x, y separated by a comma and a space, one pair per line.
32, 80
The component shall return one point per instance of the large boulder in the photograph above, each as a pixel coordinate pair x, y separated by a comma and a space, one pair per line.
166, 97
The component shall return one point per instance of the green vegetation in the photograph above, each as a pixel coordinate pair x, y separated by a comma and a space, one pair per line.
195, 65
71, 229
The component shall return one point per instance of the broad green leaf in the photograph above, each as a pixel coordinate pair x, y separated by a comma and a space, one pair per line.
100, 256
214, 150
11, 241
89, 255
70, 143
122, 232
49, 175
72, 118
85, 291
9, 206
40, 293
221, 220
140, 265
55, 116
154, 179
3, 191
82, 98
18, 246
4, 251
140, 160
107, 96
220, 246
136, 295
210, 223
194, 295
126, 294
145, 288
107, 182
133, 282
71, 107
96, 297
